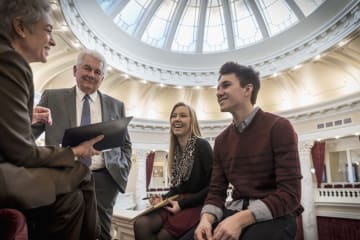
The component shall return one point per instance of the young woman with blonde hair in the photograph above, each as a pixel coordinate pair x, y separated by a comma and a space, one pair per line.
190, 163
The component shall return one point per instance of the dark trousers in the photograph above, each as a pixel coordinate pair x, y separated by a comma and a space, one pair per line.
72, 216
283, 228
106, 193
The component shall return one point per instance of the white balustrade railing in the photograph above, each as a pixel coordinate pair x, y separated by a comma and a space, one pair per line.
338, 196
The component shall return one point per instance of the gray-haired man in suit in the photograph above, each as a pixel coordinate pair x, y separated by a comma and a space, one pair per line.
110, 169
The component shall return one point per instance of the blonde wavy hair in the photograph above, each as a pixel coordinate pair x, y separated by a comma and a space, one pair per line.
194, 129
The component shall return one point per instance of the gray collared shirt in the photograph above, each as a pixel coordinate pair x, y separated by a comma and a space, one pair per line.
246, 122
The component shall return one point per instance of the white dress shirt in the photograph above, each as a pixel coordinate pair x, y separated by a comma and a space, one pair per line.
97, 161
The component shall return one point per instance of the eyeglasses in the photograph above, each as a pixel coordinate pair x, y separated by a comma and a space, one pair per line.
89, 69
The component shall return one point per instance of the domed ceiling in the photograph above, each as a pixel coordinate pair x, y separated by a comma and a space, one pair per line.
194, 26
308, 61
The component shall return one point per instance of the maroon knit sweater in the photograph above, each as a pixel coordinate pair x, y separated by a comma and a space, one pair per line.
262, 162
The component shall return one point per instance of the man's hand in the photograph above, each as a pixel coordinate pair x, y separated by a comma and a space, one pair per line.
86, 149
232, 226
41, 114
227, 229
203, 230
174, 206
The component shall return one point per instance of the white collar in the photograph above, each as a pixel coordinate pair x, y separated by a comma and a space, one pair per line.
80, 94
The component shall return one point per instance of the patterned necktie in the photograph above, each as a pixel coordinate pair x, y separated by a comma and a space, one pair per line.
86, 120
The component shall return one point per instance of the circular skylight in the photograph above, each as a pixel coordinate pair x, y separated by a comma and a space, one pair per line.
183, 43
195, 26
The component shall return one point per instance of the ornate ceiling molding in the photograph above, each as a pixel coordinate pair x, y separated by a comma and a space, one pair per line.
340, 107
165, 67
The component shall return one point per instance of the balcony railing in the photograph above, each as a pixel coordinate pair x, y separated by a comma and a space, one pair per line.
338, 196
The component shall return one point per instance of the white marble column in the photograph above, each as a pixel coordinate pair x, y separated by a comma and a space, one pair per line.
307, 192
141, 178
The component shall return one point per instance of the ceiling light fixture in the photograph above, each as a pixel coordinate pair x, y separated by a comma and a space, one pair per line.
64, 28
54, 5
76, 44
342, 43
297, 67
317, 57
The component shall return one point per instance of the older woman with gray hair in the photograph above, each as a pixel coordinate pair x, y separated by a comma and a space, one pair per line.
33, 177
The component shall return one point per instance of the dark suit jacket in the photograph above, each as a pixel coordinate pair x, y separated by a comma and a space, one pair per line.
62, 103
30, 176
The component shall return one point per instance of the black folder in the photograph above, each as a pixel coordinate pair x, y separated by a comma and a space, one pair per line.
114, 132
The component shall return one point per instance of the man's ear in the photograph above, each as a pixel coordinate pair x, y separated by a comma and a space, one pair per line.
249, 89
19, 27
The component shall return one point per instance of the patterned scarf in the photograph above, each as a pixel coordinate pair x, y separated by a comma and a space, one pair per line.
183, 162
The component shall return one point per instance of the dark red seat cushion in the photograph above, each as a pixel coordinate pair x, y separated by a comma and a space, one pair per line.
12, 225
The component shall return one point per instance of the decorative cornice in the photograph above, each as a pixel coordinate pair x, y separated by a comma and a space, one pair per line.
173, 74
336, 107
339, 107
139, 124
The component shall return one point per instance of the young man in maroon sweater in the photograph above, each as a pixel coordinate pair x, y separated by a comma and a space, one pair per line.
258, 155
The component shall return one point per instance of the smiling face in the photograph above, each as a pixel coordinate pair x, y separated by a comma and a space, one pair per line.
89, 74
230, 95
37, 40
180, 121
